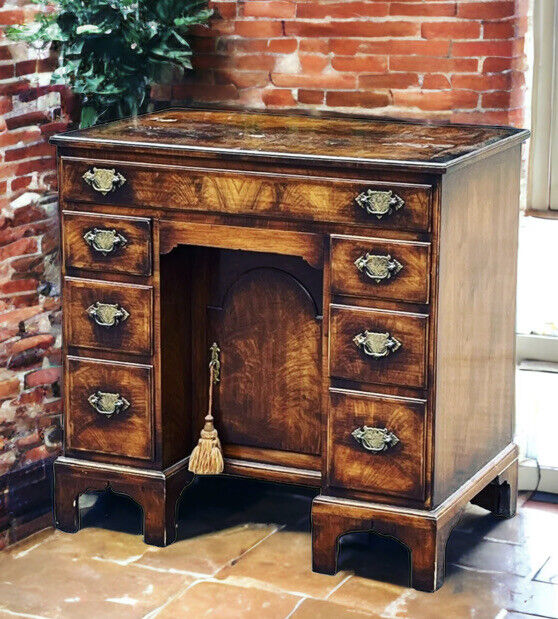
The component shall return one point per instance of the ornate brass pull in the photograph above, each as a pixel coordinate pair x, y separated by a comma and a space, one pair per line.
107, 314
378, 268
104, 241
379, 203
108, 404
376, 345
375, 440
104, 180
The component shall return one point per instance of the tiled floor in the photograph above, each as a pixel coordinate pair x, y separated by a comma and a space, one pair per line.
244, 551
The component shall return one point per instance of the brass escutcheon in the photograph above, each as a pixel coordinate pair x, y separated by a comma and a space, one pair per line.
107, 314
378, 268
108, 404
379, 203
104, 240
376, 345
375, 440
104, 180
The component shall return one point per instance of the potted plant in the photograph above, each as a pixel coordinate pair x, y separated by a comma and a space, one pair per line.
111, 51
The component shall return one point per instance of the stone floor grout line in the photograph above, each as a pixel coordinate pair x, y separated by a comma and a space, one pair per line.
510, 610
540, 568
296, 607
16, 614
153, 613
497, 540
337, 586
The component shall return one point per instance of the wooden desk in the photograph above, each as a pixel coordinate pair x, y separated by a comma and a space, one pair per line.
359, 278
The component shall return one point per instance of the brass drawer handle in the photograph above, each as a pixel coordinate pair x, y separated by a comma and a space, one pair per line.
375, 440
104, 240
376, 345
107, 314
108, 404
379, 203
104, 180
378, 268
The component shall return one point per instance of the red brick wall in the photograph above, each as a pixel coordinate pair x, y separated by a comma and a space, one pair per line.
462, 61
30, 406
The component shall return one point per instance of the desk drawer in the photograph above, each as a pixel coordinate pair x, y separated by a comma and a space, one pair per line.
377, 346
108, 316
377, 444
108, 408
375, 203
377, 268
107, 243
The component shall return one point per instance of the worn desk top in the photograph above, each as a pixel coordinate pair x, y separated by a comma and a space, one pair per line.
325, 138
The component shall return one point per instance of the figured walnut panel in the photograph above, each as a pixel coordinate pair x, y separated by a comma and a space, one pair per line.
132, 335
133, 258
128, 433
400, 470
270, 389
262, 195
405, 366
411, 283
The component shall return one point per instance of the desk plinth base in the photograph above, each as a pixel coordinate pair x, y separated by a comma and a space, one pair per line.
157, 492
424, 532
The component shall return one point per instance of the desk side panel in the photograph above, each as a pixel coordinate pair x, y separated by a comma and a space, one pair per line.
476, 318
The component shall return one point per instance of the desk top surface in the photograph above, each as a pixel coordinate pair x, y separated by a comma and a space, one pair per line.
277, 136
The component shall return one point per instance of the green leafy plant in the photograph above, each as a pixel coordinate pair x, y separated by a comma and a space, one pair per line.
111, 51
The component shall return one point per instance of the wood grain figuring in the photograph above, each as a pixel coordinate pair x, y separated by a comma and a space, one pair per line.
410, 284
400, 469
475, 348
134, 258
405, 366
298, 137
128, 433
260, 195
134, 334
269, 335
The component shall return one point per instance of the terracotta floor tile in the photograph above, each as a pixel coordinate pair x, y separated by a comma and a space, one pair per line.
64, 584
535, 598
324, 609
210, 599
367, 595
206, 554
283, 562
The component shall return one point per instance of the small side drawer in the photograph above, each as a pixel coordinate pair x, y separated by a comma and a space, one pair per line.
377, 346
108, 408
377, 444
381, 269
108, 316
107, 243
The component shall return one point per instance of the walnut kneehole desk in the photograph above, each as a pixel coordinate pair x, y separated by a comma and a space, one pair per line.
358, 276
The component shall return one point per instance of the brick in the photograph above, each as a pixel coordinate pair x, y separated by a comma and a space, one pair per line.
482, 82
28, 152
21, 247
205, 92
427, 64
282, 46
497, 99
35, 455
313, 63
28, 119
43, 341
485, 10
341, 10
498, 30
431, 9
434, 101
278, 98
451, 30
242, 79
9, 387
259, 29
435, 81
277, 9
353, 29
369, 64
482, 48
29, 440
326, 81
44, 376
225, 10
349, 47
18, 285
317, 46
388, 80
496, 65
14, 317
256, 62
9, 17
312, 97
358, 99
26, 358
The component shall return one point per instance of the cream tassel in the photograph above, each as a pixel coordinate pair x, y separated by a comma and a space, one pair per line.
207, 456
